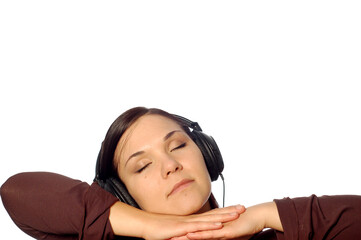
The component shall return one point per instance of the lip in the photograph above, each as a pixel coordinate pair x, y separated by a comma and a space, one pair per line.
180, 186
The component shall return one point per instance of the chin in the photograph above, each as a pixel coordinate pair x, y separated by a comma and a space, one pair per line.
182, 205
184, 211
188, 207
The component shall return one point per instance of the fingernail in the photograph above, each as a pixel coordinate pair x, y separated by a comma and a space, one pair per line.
217, 223
239, 206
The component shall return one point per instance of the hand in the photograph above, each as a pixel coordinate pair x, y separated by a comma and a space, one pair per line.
168, 226
252, 221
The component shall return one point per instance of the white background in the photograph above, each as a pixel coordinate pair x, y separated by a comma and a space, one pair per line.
276, 83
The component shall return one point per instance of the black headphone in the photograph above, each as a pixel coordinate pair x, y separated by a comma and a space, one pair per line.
207, 145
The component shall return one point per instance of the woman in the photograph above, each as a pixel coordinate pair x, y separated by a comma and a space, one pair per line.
165, 168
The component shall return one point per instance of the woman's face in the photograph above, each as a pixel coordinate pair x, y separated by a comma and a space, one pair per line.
162, 168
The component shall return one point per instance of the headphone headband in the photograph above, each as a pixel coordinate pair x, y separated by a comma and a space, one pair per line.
189, 123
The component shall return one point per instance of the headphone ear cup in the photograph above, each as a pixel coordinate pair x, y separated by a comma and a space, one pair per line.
112, 184
211, 153
118, 189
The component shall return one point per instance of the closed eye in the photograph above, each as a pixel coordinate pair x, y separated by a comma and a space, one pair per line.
178, 147
141, 169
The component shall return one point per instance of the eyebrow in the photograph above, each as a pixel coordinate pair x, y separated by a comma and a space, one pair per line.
166, 137
170, 134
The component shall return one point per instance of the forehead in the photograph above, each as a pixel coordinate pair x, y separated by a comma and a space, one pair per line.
144, 132
152, 125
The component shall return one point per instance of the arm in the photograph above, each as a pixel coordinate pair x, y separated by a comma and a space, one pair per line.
142, 224
52, 206
328, 217
252, 221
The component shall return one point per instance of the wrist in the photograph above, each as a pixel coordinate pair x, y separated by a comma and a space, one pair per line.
127, 220
146, 227
265, 215
272, 219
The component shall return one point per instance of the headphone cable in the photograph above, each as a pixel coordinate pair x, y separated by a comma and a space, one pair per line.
224, 188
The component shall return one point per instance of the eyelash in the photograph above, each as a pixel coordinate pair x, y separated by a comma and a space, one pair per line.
180, 146
145, 166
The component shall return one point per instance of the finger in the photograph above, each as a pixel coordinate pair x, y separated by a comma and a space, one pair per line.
236, 208
216, 234
224, 217
180, 238
205, 235
200, 226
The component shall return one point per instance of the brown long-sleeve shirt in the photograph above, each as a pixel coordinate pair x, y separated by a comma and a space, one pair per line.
52, 206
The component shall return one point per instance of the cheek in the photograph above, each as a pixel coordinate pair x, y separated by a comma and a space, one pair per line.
195, 163
145, 191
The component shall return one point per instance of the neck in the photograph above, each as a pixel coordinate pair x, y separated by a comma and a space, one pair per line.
206, 207
209, 205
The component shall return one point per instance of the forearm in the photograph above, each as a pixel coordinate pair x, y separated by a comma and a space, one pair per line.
269, 214
127, 220
258, 217
326, 217
252, 221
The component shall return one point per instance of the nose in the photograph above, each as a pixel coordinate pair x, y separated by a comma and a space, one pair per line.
170, 165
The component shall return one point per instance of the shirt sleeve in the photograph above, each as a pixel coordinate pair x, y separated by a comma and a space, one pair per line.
51, 206
326, 217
